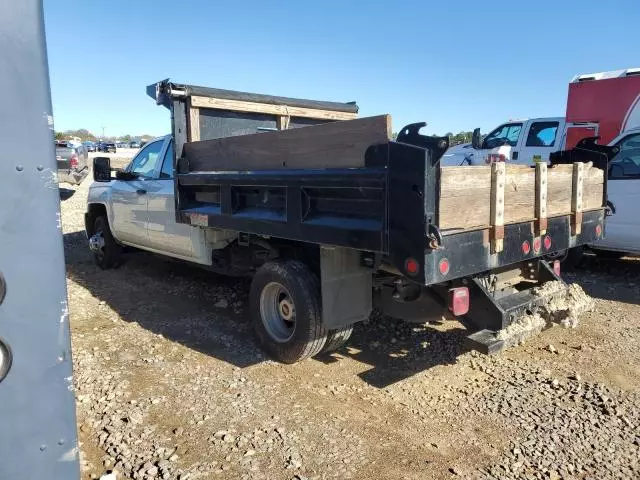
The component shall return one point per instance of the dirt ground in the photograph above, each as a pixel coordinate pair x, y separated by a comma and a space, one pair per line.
170, 384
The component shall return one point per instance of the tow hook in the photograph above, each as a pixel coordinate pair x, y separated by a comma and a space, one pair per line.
434, 236
96, 242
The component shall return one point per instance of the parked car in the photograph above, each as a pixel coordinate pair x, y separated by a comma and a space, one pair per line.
134, 145
90, 146
107, 147
72, 162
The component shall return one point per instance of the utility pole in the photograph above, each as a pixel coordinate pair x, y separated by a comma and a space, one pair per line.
103, 132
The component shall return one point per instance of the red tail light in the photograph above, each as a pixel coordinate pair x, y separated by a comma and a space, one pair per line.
526, 248
459, 301
537, 244
547, 242
411, 266
444, 266
73, 161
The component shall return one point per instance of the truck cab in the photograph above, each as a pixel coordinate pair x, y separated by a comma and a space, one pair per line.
516, 141
140, 208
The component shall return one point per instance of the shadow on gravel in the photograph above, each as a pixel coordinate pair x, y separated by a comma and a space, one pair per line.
177, 301
173, 299
66, 193
398, 350
609, 279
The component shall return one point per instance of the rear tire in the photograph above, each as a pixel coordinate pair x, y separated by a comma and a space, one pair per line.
110, 255
336, 339
286, 311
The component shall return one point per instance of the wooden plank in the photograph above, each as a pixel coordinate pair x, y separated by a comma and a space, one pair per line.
498, 176
255, 107
282, 122
194, 124
330, 145
541, 198
465, 194
576, 198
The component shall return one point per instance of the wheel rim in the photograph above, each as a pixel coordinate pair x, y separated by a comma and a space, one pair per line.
96, 244
278, 312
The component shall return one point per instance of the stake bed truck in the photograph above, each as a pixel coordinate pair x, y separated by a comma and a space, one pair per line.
332, 218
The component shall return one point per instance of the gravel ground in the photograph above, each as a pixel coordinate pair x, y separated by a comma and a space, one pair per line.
171, 385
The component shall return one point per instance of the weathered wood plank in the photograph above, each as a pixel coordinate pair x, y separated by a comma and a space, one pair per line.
330, 145
497, 214
255, 107
465, 194
576, 198
541, 198
282, 122
194, 124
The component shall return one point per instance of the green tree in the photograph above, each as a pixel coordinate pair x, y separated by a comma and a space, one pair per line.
81, 133
59, 136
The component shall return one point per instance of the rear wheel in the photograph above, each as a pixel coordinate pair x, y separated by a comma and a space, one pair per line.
336, 339
286, 311
106, 251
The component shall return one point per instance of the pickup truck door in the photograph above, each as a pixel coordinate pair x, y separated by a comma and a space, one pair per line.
540, 139
623, 191
499, 142
129, 197
165, 234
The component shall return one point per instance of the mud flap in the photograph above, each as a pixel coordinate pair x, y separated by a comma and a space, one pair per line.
346, 287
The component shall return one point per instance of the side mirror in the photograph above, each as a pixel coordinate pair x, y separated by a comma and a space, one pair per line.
476, 141
102, 169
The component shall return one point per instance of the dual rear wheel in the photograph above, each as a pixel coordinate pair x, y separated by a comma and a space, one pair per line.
286, 313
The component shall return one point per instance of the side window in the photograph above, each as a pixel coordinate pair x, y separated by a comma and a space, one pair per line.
507, 134
542, 134
145, 163
626, 164
167, 163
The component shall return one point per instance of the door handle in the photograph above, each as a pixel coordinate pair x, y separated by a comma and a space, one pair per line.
141, 191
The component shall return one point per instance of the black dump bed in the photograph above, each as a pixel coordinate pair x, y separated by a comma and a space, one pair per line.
243, 164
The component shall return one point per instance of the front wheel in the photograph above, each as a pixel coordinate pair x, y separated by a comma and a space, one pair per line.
286, 311
106, 251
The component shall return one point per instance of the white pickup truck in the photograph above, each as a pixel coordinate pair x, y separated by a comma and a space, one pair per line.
141, 211
516, 141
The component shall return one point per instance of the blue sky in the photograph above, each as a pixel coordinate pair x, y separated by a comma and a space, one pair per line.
456, 65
